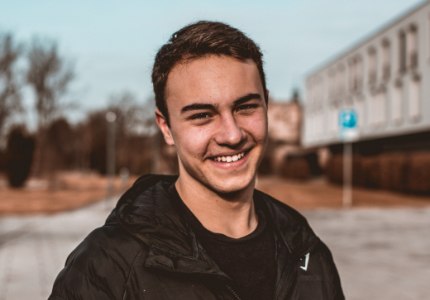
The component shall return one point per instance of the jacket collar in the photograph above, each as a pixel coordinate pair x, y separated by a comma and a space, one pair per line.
290, 226
146, 212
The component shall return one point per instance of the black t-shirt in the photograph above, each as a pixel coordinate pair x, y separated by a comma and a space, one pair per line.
249, 261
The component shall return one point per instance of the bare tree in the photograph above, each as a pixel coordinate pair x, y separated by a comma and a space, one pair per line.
49, 75
136, 118
10, 100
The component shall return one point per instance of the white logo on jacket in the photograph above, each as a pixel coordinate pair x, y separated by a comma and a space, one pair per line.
306, 262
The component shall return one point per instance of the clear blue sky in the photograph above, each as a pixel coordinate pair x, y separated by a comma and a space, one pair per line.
113, 43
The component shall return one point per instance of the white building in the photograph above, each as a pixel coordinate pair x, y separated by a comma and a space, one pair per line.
385, 78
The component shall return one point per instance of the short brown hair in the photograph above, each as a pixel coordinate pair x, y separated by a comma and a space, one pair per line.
198, 40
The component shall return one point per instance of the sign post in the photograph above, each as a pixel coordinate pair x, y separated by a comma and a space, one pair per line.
348, 133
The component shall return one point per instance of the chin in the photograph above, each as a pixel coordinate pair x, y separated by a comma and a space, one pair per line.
232, 186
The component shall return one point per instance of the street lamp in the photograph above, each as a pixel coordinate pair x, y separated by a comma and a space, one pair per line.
110, 151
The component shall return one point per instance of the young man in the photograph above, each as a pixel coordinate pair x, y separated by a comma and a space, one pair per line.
207, 233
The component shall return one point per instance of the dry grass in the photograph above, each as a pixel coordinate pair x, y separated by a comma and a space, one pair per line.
320, 194
68, 191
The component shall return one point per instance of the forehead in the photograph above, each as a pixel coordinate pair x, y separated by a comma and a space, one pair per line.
212, 79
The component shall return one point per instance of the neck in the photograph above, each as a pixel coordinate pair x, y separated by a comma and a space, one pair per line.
230, 214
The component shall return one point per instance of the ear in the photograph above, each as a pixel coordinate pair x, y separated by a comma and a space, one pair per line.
165, 129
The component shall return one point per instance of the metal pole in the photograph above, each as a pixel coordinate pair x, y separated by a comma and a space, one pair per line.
110, 151
347, 175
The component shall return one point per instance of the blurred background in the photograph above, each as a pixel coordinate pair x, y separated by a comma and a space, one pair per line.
349, 127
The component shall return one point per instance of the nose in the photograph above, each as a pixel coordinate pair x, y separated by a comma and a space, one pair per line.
229, 132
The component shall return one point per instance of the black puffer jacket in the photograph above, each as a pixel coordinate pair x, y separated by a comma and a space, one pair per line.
145, 251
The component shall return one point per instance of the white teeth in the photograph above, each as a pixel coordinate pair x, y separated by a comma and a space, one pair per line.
231, 158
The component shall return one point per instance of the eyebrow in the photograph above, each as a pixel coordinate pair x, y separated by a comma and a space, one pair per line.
205, 106
246, 98
197, 106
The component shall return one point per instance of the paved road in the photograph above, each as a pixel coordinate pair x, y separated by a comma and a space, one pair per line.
381, 254
33, 249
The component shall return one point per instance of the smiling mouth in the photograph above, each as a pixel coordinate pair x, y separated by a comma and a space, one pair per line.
230, 158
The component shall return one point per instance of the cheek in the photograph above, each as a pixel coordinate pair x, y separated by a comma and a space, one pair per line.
192, 141
257, 127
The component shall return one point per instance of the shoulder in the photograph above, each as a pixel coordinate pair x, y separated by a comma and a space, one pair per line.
316, 261
100, 265
109, 243
278, 209
317, 271
288, 223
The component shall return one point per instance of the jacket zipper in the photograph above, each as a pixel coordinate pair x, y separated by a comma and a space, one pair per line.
289, 281
236, 296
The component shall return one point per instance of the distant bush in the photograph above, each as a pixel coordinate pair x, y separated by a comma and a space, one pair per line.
419, 173
265, 167
395, 171
61, 146
2, 160
19, 156
300, 165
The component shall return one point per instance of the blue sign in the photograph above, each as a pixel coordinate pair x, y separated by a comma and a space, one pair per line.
348, 119
348, 123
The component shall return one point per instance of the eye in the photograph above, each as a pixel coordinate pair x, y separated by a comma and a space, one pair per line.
200, 116
247, 107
